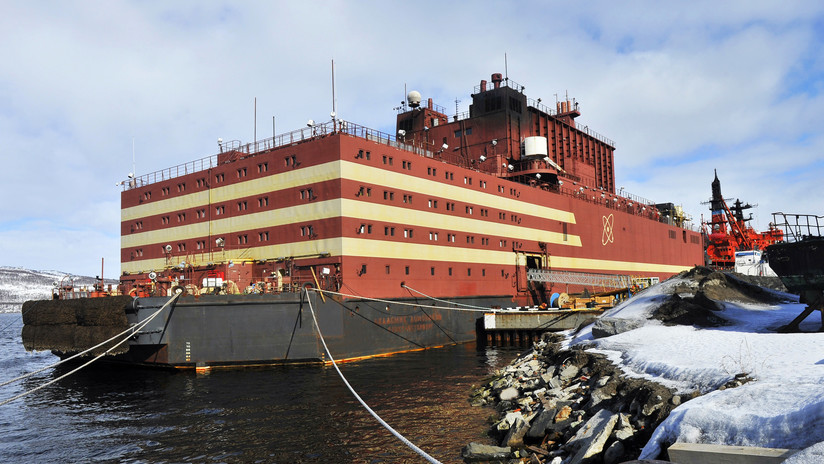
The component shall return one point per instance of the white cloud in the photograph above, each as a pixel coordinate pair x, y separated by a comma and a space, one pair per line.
682, 90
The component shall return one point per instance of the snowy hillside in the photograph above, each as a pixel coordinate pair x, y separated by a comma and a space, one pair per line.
18, 285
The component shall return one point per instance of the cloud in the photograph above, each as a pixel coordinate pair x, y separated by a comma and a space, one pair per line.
682, 90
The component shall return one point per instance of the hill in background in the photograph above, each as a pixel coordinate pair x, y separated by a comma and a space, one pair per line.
18, 285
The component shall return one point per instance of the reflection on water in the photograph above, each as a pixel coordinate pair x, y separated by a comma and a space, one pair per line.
285, 414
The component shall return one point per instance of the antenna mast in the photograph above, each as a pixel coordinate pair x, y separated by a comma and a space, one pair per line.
334, 113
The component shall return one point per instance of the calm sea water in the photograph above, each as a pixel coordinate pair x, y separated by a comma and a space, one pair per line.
277, 415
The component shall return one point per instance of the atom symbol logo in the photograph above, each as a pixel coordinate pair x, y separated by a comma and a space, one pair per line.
606, 236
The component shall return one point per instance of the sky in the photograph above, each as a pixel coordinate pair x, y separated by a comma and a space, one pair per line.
86, 87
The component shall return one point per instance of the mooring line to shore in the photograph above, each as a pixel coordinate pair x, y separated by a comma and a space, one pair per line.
132, 329
400, 437
471, 308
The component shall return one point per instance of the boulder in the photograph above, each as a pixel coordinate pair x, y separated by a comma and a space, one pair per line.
477, 452
609, 326
592, 436
508, 394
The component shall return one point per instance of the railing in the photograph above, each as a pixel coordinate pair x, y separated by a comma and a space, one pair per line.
798, 227
281, 140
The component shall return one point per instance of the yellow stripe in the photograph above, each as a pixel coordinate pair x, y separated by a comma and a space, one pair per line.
307, 213
426, 187
355, 247
347, 170
260, 186
423, 221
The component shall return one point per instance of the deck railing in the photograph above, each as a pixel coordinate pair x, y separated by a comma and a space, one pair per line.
798, 227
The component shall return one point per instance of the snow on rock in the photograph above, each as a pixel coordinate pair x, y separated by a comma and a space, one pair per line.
782, 407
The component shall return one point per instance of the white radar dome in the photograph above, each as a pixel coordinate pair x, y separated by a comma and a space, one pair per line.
414, 98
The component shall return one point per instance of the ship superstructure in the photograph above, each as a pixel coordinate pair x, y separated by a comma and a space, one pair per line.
455, 206
504, 206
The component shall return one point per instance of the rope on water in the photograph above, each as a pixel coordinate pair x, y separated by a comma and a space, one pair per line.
408, 443
128, 332
471, 308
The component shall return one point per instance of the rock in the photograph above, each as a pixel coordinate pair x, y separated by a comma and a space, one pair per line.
623, 429
653, 404
591, 437
599, 395
508, 394
476, 452
614, 453
568, 372
675, 400
563, 414
609, 326
538, 427
515, 437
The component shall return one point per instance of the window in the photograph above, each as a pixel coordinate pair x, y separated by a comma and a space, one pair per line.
387, 269
181, 246
433, 203
242, 239
164, 220
433, 236
469, 272
468, 210
138, 225
220, 210
389, 231
201, 183
450, 271
263, 236
165, 191
241, 173
450, 237
264, 201
406, 270
139, 252
385, 159
147, 195
201, 213
307, 194
364, 191
181, 217
200, 245
407, 198
432, 271
181, 187
219, 178
241, 206
263, 167
407, 233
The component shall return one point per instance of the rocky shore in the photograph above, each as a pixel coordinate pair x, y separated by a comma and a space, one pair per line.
571, 406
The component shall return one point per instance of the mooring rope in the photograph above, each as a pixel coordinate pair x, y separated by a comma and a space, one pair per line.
408, 443
471, 308
132, 329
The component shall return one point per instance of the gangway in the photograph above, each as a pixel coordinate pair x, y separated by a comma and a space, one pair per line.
587, 278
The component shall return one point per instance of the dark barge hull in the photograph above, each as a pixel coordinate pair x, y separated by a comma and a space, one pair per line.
800, 265
211, 331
